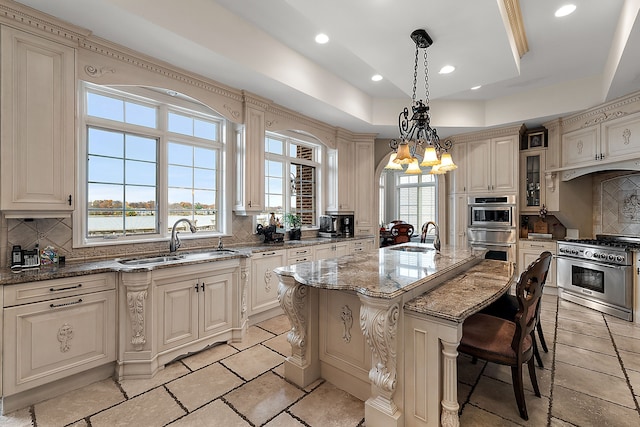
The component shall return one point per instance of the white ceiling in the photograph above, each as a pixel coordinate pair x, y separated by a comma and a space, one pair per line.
267, 47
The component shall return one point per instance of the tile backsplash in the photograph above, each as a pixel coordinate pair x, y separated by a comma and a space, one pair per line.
616, 199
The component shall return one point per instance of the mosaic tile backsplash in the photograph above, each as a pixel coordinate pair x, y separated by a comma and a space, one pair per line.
620, 208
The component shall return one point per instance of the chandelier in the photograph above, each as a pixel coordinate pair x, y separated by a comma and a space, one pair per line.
416, 133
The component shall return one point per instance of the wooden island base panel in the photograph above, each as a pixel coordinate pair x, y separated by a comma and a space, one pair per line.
410, 305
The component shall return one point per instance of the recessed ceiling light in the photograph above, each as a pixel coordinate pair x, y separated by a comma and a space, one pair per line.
565, 10
447, 69
322, 38
376, 77
476, 87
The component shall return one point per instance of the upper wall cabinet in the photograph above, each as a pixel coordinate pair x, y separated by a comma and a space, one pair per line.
494, 165
37, 82
340, 179
366, 217
457, 178
249, 147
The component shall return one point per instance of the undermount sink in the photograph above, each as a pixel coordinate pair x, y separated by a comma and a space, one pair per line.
411, 249
151, 260
210, 254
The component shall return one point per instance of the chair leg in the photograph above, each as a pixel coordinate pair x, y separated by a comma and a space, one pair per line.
536, 353
541, 335
532, 376
518, 390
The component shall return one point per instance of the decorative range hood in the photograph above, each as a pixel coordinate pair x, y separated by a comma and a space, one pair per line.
569, 173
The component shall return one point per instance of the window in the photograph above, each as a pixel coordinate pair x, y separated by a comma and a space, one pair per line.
148, 162
291, 178
416, 198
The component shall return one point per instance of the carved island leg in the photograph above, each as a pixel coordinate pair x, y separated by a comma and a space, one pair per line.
379, 324
450, 407
300, 304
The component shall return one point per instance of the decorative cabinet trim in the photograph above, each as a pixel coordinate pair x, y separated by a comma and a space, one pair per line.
65, 335
293, 300
136, 298
347, 322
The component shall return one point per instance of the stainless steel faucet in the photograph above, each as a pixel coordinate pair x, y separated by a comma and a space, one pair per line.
220, 247
436, 239
174, 243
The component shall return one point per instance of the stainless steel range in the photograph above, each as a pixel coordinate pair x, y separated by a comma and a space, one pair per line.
598, 273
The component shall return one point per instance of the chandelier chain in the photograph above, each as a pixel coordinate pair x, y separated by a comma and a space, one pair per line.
426, 79
415, 76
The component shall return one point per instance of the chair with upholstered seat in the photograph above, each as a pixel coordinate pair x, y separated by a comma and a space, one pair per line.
510, 342
401, 233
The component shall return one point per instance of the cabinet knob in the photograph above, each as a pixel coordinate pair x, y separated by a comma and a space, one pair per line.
202, 286
197, 284
69, 199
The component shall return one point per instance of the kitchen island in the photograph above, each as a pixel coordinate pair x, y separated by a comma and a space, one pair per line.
411, 303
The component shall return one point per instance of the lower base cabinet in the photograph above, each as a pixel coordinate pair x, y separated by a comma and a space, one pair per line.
58, 334
529, 251
264, 282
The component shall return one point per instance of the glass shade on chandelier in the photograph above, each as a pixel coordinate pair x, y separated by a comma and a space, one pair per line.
416, 133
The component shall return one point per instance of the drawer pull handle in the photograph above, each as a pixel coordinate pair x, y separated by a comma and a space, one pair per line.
65, 304
65, 289
269, 253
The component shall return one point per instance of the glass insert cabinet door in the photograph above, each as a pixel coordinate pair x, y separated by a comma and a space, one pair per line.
532, 190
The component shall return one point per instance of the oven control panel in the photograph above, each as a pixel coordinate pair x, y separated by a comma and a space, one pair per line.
605, 255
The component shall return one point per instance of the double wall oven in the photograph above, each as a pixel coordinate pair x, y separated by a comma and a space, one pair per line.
598, 273
492, 226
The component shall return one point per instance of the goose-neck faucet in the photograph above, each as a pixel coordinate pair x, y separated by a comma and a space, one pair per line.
174, 243
436, 239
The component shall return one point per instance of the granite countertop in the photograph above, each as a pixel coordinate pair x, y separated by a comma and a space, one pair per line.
386, 273
81, 268
467, 293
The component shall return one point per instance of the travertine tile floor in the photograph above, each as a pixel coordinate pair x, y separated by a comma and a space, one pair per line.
591, 377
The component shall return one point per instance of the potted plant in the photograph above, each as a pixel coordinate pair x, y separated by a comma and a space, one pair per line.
294, 221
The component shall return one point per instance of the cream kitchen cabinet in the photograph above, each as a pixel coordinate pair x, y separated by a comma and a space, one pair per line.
54, 329
332, 250
249, 154
37, 82
532, 182
529, 251
340, 179
361, 246
457, 178
264, 282
193, 306
366, 212
613, 140
458, 212
493, 165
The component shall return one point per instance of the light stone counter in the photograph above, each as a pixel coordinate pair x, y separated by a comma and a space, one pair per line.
387, 287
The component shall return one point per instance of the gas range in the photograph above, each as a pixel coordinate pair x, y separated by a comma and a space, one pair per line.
605, 248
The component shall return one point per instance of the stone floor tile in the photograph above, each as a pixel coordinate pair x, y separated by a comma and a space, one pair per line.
556, 422
598, 330
284, 420
208, 356
626, 329
630, 360
253, 336
498, 398
279, 370
589, 360
154, 408
139, 386
345, 411
503, 373
20, 418
279, 344
588, 342
472, 416
568, 305
464, 390
314, 385
216, 410
595, 384
77, 404
468, 372
584, 410
590, 316
627, 344
263, 398
203, 386
634, 380
276, 325
253, 362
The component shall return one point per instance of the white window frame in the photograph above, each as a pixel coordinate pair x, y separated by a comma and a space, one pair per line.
165, 102
418, 185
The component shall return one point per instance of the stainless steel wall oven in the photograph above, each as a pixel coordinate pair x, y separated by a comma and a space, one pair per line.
492, 225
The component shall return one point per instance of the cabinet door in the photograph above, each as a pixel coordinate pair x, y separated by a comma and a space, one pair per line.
215, 303
457, 178
264, 289
249, 194
504, 167
177, 311
532, 183
621, 137
50, 340
458, 230
346, 186
580, 146
37, 104
366, 217
325, 251
478, 169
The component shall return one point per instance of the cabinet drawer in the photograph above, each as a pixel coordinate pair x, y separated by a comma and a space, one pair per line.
543, 246
295, 253
51, 340
24, 293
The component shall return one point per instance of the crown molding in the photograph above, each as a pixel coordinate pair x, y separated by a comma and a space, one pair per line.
514, 14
